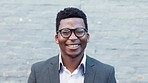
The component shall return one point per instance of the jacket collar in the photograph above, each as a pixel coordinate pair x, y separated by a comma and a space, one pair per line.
54, 70
90, 72
82, 64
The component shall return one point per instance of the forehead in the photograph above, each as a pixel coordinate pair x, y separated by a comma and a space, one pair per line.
71, 23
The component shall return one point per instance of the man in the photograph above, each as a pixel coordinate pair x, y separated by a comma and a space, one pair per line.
72, 65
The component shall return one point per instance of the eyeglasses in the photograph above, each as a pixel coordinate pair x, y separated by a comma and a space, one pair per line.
66, 32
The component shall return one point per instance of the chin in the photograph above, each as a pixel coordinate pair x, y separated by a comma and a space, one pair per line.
74, 55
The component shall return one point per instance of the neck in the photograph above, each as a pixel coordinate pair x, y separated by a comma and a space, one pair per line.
71, 63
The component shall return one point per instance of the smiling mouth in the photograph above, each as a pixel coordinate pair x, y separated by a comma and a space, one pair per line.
73, 46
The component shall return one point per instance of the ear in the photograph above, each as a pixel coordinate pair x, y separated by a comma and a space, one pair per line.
88, 36
56, 39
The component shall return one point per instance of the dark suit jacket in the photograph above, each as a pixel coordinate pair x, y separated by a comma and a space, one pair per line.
47, 72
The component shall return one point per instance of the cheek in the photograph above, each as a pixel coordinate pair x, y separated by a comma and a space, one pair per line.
61, 40
84, 42
85, 39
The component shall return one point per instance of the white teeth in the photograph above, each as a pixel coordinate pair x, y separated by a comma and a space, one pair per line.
73, 45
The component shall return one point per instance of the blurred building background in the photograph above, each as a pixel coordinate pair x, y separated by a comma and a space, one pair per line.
118, 36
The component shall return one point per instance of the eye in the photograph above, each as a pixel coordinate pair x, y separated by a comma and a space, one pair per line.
65, 31
79, 31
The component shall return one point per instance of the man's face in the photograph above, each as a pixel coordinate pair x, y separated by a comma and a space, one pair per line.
72, 46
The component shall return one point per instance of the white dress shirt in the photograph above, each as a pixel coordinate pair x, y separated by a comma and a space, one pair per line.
75, 77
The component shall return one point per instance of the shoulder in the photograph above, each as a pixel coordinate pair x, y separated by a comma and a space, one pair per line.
42, 65
99, 66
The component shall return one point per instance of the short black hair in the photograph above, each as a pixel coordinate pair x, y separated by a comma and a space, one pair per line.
70, 12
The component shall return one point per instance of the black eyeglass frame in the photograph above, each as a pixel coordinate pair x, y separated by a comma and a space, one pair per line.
72, 30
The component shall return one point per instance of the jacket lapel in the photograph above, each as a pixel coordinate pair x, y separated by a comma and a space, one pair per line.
90, 73
54, 70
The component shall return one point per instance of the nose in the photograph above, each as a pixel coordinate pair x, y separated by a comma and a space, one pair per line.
73, 36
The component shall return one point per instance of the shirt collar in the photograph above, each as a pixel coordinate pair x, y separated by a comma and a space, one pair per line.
82, 64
